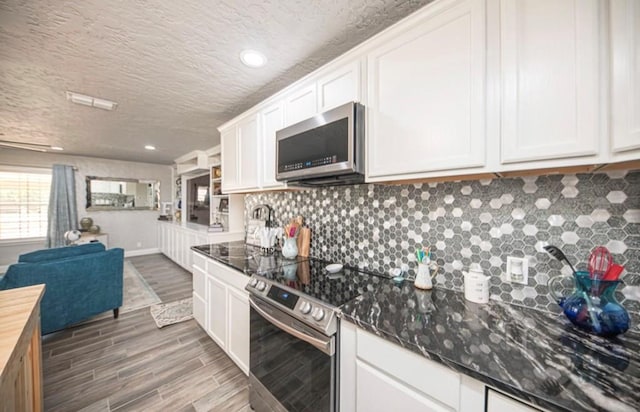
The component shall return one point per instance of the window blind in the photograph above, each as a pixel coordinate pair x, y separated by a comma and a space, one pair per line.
24, 203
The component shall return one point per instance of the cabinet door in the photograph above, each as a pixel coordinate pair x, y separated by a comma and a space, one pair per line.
217, 311
550, 79
162, 238
272, 121
248, 150
238, 328
378, 392
229, 158
625, 54
199, 282
300, 105
339, 87
427, 94
199, 310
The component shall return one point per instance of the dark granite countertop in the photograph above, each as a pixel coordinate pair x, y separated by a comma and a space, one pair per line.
533, 355
536, 356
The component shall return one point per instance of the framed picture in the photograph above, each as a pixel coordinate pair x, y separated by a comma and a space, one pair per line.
224, 205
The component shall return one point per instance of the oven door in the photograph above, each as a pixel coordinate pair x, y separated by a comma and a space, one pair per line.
292, 367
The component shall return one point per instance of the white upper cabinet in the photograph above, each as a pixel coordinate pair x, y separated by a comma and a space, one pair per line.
550, 75
300, 105
229, 161
248, 153
625, 71
426, 95
241, 160
339, 87
272, 121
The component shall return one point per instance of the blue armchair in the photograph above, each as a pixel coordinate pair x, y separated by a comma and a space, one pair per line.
81, 281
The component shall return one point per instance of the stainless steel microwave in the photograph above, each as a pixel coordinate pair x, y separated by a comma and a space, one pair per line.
325, 150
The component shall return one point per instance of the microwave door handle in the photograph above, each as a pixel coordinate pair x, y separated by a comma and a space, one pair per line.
324, 345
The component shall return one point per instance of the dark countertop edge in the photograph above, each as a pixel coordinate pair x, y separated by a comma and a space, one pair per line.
497, 384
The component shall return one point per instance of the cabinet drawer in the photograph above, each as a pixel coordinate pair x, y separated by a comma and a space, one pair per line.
199, 261
225, 274
378, 391
427, 376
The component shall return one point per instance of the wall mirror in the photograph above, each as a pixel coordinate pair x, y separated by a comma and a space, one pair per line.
109, 193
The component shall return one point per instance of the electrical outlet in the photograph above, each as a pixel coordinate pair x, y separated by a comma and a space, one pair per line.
517, 270
139, 244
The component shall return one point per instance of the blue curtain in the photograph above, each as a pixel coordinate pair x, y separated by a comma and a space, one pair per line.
63, 212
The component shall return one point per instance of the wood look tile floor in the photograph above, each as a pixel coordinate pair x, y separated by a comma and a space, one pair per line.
128, 364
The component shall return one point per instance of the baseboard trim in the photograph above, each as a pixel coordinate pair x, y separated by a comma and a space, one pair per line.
141, 252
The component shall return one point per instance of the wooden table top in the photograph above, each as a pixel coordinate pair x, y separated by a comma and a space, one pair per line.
17, 307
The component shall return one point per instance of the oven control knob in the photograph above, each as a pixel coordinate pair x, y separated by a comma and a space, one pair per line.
305, 307
253, 282
261, 286
318, 315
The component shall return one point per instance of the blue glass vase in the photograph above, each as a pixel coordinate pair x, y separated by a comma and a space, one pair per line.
593, 305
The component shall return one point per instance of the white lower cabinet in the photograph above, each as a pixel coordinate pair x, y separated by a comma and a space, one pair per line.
221, 307
377, 391
238, 327
217, 311
175, 241
199, 290
377, 375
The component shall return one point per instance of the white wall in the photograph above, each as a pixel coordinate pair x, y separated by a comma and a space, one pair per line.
132, 230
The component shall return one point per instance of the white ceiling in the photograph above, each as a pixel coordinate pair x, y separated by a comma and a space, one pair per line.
172, 66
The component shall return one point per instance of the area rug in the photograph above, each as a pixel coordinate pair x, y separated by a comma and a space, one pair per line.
136, 293
173, 312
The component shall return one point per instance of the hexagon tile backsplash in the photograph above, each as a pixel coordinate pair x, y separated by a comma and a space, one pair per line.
378, 227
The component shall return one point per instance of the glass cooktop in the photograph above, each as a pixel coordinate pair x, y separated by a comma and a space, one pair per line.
246, 258
308, 276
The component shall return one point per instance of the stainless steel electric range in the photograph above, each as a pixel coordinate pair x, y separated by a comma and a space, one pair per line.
294, 335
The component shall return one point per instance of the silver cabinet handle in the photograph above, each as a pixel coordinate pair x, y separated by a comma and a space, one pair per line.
324, 345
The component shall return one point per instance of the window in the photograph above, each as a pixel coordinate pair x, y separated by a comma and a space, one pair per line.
24, 202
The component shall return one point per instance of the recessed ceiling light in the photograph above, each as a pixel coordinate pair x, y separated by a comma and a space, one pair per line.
56, 148
252, 58
150, 147
90, 101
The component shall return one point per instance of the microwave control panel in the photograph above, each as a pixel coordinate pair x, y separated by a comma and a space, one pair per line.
310, 163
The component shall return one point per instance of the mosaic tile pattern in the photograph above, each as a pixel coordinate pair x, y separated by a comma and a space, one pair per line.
378, 227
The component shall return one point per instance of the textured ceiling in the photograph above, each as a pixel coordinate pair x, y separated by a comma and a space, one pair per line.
172, 66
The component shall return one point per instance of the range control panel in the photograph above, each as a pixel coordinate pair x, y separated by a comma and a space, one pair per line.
320, 316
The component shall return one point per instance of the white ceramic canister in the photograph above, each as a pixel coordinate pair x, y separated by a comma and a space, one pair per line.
476, 286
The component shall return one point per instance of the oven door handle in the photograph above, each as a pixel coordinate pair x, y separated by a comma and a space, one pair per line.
326, 345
